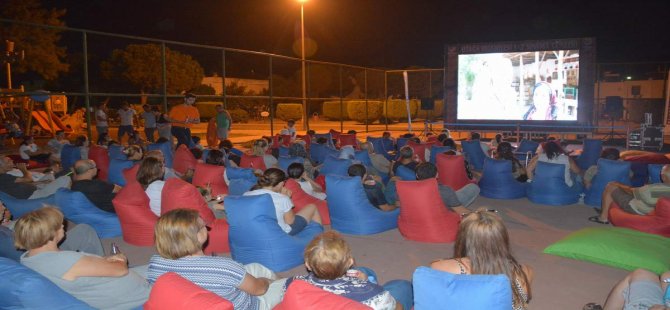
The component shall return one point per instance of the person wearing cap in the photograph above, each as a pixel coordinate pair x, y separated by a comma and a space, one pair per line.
183, 117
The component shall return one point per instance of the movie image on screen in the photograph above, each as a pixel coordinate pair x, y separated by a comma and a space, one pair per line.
527, 86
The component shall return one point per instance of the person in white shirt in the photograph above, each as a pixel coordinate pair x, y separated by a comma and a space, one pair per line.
297, 172
272, 183
553, 153
101, 118
150, 118
29, 151
127, 116
56, 144
150, 176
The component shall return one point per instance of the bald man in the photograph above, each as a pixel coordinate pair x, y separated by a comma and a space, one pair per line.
634, 200
99, 192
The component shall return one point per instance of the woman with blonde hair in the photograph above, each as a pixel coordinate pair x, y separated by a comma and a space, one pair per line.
180, 235
482, 247
260, 148
329, 262
101, 282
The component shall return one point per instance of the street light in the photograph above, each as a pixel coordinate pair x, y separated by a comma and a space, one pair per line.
302, 53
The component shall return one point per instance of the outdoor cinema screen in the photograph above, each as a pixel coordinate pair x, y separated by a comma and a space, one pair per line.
525, 86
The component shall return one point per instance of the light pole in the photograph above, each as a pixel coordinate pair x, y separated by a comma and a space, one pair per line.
302, 53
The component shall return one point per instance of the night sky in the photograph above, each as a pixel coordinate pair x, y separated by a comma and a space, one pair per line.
385, 33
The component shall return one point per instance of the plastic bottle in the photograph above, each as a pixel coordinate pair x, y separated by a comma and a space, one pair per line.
666, 298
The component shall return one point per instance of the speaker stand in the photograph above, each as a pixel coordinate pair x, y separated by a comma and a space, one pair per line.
611, 136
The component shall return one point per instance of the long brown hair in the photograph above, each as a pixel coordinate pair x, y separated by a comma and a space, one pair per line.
482, 237
151, 169
270, 177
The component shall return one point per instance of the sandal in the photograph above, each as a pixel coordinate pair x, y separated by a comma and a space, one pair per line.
596, 219
592, 306
598, 210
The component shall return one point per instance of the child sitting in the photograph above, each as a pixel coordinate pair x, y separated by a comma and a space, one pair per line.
374, 189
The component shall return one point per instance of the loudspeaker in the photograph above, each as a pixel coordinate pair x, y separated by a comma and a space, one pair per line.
614, 107
427, 104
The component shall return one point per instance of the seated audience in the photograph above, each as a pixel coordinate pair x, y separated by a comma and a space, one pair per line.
55, 145
133, 152
608, 153
82, 143
197, 153
101, 282
196, 143
297, 172
505, 151
553, 153
24, 186
457, 201
634, 200
329, 261
379, 161
260, 148
482, 247
272, 183
180, 235
406, 159
29, 151
169, 172
640, 289
150, 176
227, 146
298, 150
99, 192
215, 157
496, 141
452, 144
373, 186
475, 136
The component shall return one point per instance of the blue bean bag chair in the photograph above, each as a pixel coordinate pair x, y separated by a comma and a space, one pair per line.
435, 289
335, 166
7, 248
400, 142
166, 148
319, 152
78, 209
22, 288
437, 150
241, 180
590, 153
608, 171
549, 188
497, 180
350, 210
474, 154
364, 157
327, 136
255, 236
640, 173
285, 161
116, 152
406, 174
116, 167
654, 171
525, 147
283, 151
19, 207
69, 154
382, 146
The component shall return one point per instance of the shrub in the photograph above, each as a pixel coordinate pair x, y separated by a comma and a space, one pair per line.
436, 112
207, 109
356, 111
287, 111
396, 109
333, 110
239, 115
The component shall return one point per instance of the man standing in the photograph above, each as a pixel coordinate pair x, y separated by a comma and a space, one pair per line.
223, 122
127, 115
149, 117
99, 192
183, 117
101, 118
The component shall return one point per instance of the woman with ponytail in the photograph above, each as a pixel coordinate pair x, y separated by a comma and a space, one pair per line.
272, 183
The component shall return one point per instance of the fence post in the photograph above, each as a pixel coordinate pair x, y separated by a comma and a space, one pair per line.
86, 88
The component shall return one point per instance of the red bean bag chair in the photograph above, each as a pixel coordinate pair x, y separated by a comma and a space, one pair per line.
137, 220
251, 161
645, 157
300, 199
306, 138
432, 139
183, 160
177, 193
321, 180
657, 222
285, 140
30, 164
302, 295
423, 216
130, 174
419, 150
172, 292
210, 174
348, 139
451, 171
334, 134
101, 158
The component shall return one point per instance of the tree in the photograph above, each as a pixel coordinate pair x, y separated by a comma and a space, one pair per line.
42, 54
140, 64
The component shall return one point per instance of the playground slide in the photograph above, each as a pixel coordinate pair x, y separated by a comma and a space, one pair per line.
43, 120
58, 122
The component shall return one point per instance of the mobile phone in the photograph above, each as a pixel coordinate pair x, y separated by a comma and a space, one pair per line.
115, 249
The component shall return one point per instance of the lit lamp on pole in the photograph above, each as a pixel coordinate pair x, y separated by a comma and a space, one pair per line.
302, 53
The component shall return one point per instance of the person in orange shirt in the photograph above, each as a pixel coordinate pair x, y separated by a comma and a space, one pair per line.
183, 117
